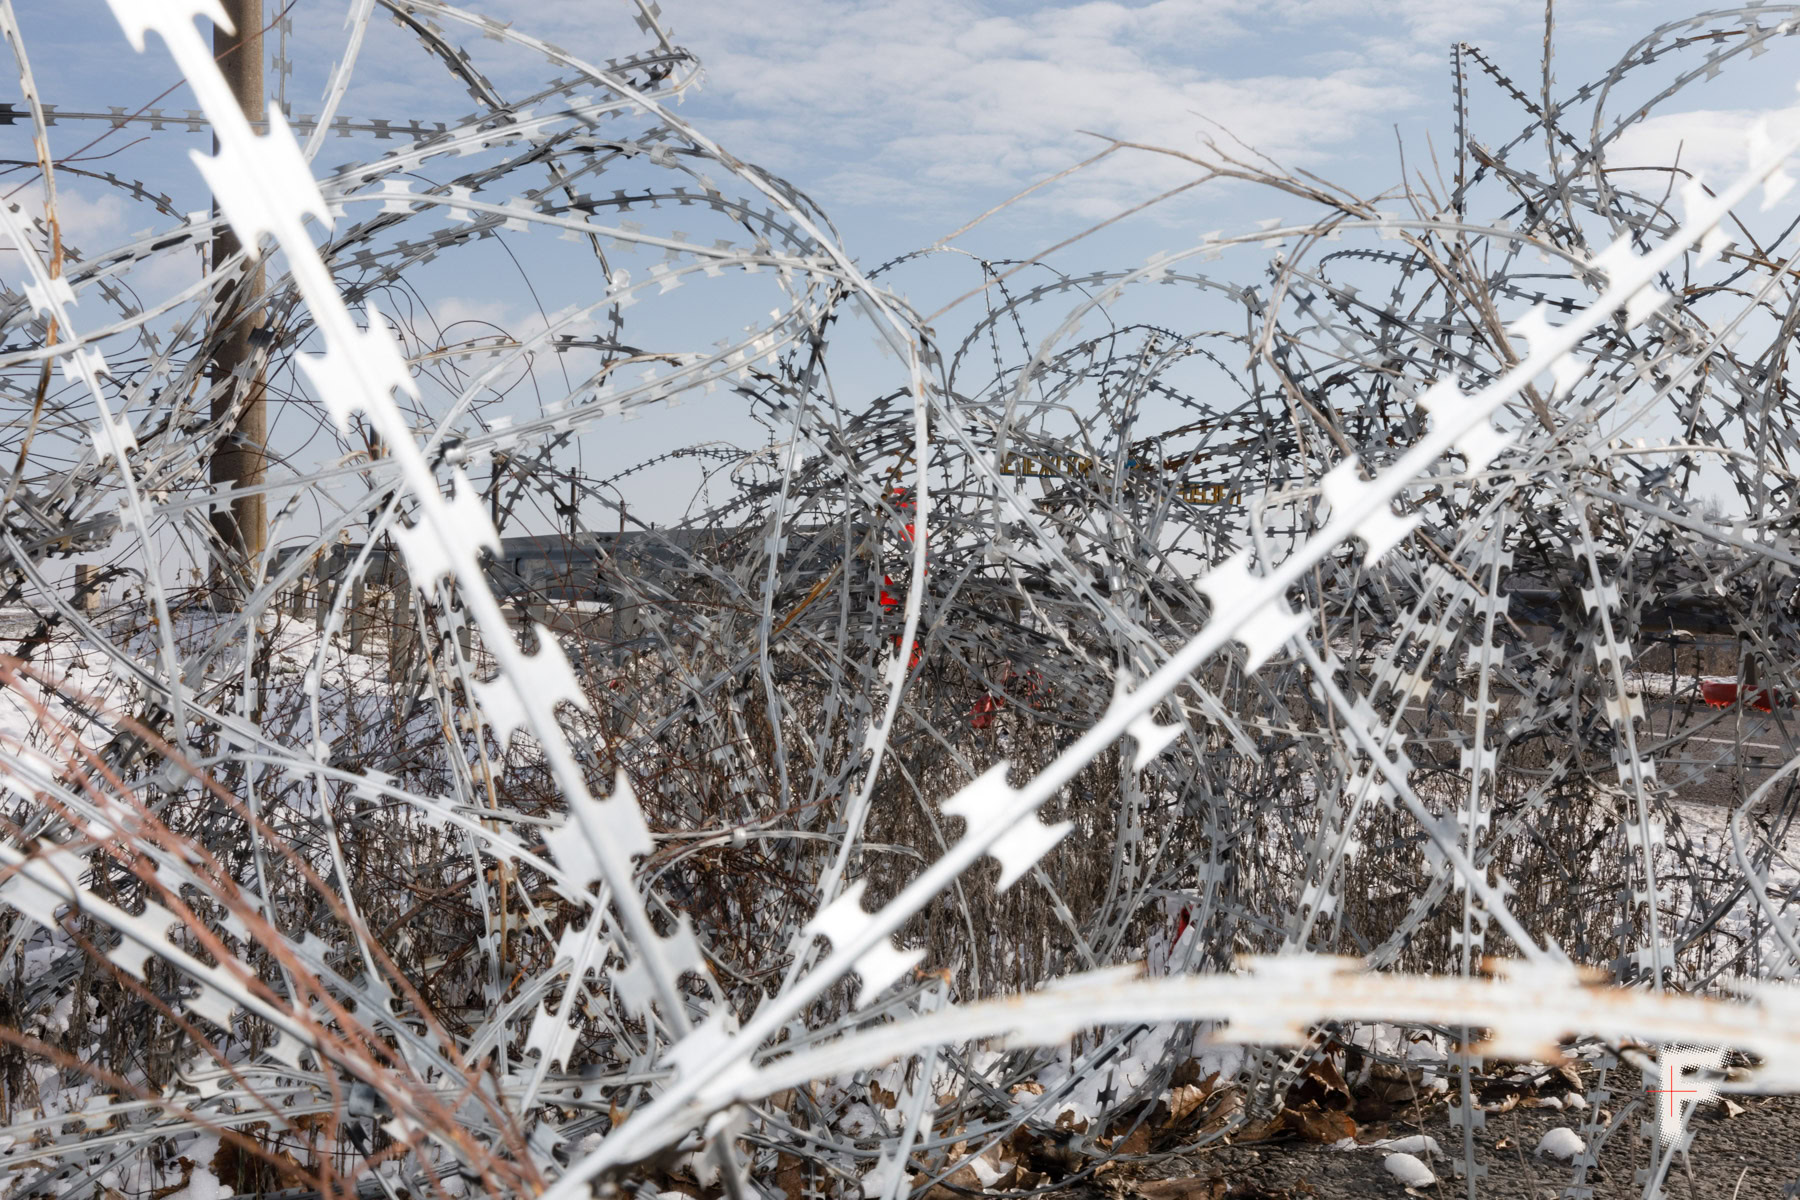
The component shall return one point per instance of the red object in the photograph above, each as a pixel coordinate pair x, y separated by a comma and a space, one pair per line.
892, 595
903, 502
1182, 922
913, 659
1028, 686
1722, 693
983, 713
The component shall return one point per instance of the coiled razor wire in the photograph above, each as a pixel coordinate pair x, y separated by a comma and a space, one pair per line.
1392, 624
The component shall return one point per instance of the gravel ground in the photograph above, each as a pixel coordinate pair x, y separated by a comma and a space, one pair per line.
1752, 1156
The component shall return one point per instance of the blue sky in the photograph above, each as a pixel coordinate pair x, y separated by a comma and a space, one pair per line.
906, 118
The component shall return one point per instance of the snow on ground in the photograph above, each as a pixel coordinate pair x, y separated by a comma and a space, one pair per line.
1561, 1143
1409, 1171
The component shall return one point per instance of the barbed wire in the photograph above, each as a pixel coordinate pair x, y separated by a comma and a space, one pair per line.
1378, 620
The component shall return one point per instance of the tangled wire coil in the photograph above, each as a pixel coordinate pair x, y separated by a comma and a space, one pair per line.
432, 860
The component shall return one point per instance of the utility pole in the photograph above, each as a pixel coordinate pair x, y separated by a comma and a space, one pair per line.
239, 460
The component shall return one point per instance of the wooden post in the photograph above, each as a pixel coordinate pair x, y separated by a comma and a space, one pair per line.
403, 638
359, 615
239, 461
618, 628
87, 595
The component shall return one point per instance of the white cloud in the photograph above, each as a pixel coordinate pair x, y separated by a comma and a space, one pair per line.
164, 275
936, 97
91, 220
1710, 142
930, 101
461, 318
934, 108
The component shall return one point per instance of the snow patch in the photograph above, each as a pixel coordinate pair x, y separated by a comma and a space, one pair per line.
1409, 1171
1561, 1143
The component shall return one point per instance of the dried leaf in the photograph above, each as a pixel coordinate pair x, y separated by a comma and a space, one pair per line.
1184, 1100
1138, 1142
790, 1175
1325, 1126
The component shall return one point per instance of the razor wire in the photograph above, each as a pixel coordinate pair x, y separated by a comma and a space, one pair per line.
1247, 617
